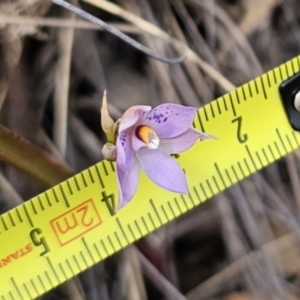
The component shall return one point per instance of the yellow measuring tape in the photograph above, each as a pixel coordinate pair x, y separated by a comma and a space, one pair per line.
72, 226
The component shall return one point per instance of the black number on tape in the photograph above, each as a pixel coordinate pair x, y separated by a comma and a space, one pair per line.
242, 138
39, 240
110, 202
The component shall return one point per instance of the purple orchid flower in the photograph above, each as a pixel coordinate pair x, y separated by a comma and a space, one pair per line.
146, 138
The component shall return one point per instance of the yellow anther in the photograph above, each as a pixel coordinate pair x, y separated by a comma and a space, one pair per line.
148, 136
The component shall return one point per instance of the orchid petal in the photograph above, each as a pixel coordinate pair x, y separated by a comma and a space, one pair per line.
162, 170
125, 153
170, 120
182, 142
128, 180
132, 115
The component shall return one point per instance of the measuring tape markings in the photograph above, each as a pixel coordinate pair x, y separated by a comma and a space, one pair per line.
67, 229
55, 197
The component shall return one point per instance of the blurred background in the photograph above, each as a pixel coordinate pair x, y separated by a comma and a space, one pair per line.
242, 244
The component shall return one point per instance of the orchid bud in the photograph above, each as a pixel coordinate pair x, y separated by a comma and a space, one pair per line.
109, 152
107, 123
